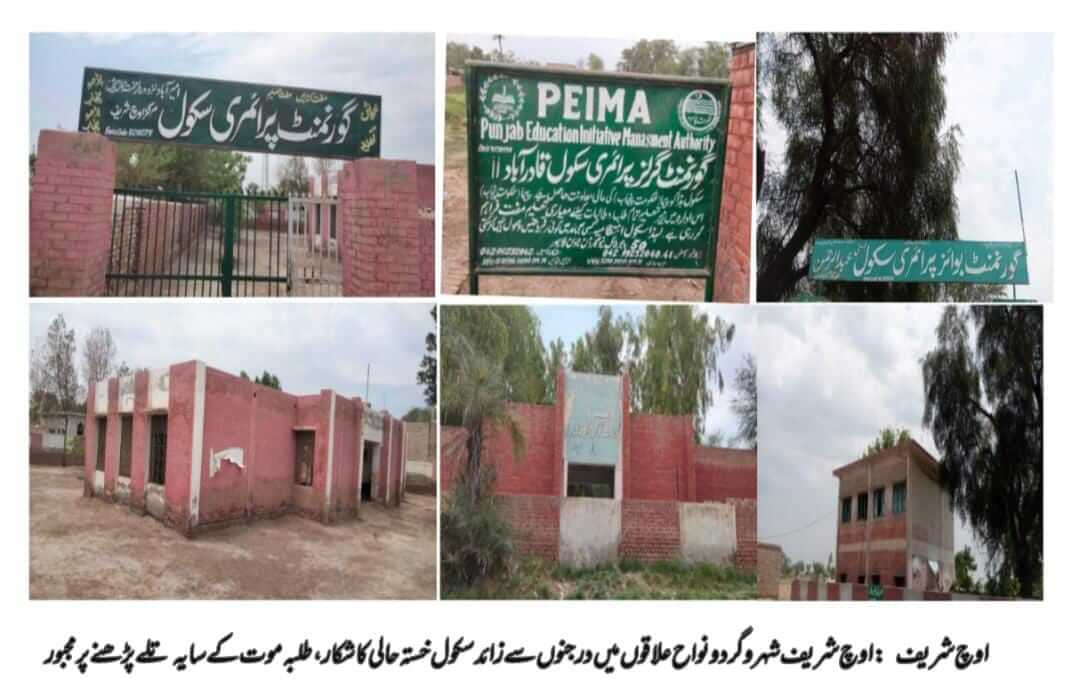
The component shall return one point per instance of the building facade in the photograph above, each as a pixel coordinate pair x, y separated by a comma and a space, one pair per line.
196, 447
598, 483
60, 430
894, 521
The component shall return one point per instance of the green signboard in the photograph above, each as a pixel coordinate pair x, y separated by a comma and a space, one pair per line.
593, 433
875, 593
919, 261
581, 173
146, 107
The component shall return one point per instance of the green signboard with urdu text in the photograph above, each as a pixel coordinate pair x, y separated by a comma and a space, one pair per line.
575, 172
146, 107
919, 261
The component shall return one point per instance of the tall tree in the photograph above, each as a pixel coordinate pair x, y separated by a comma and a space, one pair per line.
867, 155
600, 350
54, 382
964, 566
983, 402
887, 438
176, 167
673, 361
98, 355
428, 374
554, 360
457, 53
707, 61
508, 336
744, 404
650, 56
594, 62
293, 176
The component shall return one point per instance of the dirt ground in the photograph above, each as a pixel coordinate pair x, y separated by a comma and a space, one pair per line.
88, 548
455, 242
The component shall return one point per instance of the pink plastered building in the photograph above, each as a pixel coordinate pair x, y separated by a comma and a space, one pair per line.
196, 448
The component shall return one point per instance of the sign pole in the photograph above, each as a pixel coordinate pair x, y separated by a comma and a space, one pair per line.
1020, 206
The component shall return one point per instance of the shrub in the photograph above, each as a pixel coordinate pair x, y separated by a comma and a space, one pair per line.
476, 541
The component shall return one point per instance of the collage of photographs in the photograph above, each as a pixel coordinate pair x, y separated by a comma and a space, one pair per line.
597, 318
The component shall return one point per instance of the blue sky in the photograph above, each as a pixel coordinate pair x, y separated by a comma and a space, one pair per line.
572, 322
400, 67
1000, 92
309, 346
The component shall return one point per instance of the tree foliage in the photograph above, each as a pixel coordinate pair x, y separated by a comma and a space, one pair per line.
887, 438
170, 166
600, 350
867, 156
744, 404
428, 374
673, 361
98, 355
293, 177
54, 381
983, 391
964, 566
664, 57
457, 53
267, 379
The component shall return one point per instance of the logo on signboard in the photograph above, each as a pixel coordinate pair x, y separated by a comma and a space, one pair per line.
699, 111
501, 97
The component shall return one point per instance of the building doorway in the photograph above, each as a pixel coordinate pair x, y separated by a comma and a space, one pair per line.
159, 445
586, 480
102, 437
305, 457
371, 450
125, 446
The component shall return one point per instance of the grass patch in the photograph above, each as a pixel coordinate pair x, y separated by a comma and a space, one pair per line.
454, 149
626, 580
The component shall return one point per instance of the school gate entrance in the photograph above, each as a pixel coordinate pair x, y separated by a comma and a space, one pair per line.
374, 236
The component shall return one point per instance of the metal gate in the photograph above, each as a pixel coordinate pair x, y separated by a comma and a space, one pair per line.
315, 257
186, 244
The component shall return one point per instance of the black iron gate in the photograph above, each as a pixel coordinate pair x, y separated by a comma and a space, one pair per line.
185, 244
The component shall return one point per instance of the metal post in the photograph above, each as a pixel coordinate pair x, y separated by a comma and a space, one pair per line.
1023, 231
227, 255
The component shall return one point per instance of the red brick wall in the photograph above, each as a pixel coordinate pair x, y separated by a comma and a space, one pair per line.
725, 473
534, 520
425, 186
770, 562
732, 275
71, 213
660, 467
746, 544
650, 530
386, 249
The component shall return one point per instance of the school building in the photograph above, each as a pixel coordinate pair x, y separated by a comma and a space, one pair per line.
598, 483
196, 447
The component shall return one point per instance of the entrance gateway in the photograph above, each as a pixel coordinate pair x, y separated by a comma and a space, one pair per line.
573, 173
182, 243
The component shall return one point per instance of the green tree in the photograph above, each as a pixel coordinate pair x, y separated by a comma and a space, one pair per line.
457, 53
509, 336
54, 380
554, 360
171, 166
650, 56
983, 402
867, 155
418, 415
673, 361
708, 61
267, 379
600, 351
965, 567
887, 438
744, 404
428, 375
293, 177
594, 62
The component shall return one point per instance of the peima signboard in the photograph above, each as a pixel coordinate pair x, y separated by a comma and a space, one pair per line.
581, 173
593, 427
919, 261
147, 107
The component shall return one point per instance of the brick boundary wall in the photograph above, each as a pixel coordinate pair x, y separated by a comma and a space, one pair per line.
534, 520
746, 549
731, 278
71, 214
52, 458
821, 590
387, 246
770, 561
650, 530
152, 228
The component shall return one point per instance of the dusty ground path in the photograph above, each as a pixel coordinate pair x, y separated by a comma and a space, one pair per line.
87, 548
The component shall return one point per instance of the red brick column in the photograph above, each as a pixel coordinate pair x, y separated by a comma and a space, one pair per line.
140, 441
385, 251
71, 214
731, 279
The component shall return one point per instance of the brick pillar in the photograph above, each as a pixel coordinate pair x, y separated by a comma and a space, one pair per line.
71, 214
89, 441
384, 252
731, 279
559, 483
140, 441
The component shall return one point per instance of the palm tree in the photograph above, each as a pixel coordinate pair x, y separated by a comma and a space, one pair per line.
498, 37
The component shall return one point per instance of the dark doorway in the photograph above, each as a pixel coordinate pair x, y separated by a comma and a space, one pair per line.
101, 439
305, 457
370, 451
159, 444
125, 446
583, 480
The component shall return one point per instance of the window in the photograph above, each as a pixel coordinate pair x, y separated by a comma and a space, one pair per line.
101, 439
159, 444
900, 581
843, 577
79, 429
845, 510
583, 480
875, 580
899, 497
333, 221
862, 579
863, 501
879, 503
305, 457
125, 446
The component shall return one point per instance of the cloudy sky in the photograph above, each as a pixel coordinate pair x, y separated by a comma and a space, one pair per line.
572, 322
999, 89
400, 67
830, 377
310, 346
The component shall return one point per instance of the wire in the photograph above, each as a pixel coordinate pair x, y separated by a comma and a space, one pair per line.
790, 532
